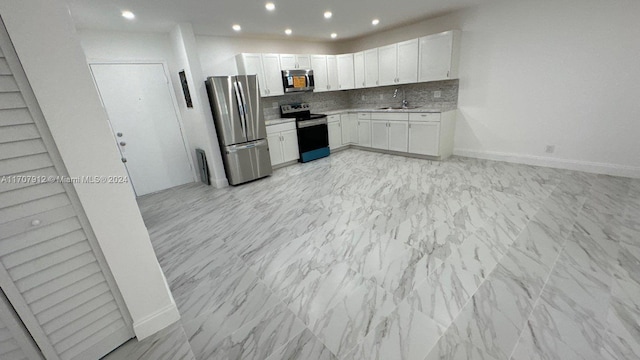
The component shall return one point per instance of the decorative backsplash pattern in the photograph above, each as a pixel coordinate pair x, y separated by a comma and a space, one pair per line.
420, 94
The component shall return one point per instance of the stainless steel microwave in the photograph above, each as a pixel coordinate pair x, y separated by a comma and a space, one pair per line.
297, 80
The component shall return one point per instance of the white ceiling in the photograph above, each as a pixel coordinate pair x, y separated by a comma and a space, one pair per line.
351, 18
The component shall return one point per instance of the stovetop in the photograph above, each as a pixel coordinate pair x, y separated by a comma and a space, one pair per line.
300, 112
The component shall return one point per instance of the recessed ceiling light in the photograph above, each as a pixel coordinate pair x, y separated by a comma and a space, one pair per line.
128, 15
375, 22
288, 31
328, 14
270, 6
334, 35
236, 27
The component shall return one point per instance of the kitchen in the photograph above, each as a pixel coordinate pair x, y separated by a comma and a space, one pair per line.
524, 213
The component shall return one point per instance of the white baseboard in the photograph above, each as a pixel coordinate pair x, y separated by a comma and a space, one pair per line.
156, 321
577, 165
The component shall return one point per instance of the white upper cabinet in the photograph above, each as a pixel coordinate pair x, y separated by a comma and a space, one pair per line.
287, 61
292, 62
346, 76
371, 68
303, 62
272, 75
387, 64
407, 62
332, 73
319, 67
251, 64
267, 67
439, 56
398, 63
358, 70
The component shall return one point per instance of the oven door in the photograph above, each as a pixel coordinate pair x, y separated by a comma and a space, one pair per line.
312, 134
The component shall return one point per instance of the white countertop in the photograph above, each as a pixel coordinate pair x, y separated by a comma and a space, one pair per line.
342, 111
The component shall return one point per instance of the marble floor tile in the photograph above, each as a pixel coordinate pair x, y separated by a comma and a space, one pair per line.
257, 339
303, 347
375, 256
405, 334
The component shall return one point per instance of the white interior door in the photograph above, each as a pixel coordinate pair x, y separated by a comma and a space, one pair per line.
143, 117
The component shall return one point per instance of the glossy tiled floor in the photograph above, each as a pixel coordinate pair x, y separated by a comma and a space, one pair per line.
371, 256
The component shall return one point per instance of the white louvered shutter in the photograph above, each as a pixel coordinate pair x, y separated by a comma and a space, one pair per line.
51, 268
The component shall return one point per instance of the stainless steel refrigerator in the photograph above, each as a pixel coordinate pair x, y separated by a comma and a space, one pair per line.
242, 134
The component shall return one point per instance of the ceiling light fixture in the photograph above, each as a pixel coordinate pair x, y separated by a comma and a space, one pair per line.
270, 6
128, 15
375, 22
334, 35
236, 27
288, 31
328, 14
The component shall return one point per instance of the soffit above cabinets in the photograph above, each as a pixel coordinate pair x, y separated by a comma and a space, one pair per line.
304, 17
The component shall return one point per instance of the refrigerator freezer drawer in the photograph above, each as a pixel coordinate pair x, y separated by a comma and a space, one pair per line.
246, 162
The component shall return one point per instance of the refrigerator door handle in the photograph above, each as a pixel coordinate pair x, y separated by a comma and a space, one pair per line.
244, 107
241, 108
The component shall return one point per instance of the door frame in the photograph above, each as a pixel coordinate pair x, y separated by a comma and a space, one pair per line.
174, 100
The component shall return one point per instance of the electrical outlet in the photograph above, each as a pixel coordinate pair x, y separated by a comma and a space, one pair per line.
381, 97
364, 98
275, 104
550, 149
437, 94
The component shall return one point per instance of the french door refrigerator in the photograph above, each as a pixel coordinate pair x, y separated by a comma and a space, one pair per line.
242, 134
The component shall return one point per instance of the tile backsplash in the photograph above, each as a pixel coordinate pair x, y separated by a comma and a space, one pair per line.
420, 94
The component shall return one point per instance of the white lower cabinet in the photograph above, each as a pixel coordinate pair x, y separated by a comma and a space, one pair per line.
424, 138
379, 134
335, 134
398, 132
283, 143
364, 133
349, 127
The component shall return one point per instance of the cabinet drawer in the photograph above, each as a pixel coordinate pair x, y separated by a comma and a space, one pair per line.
364, 116
390, 116
333, 118
424, 117
272, 129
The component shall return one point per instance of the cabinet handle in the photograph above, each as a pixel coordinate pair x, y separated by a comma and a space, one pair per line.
377, 82
447, 74
362, 84
328, 87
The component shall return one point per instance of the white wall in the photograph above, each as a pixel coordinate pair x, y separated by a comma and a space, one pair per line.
54, 62
198, 119
562, 73
217, 53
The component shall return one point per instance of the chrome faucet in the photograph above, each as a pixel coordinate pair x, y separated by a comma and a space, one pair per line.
405, 103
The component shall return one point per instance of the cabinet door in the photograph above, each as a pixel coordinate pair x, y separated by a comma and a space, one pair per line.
346, 77
272, 74
345, 129
380, 134
387, 64
303, 62
364, 133
290, 145
332, 72
353, 128
287, 61
424, 138
371, 68
435, 56
398, 135
335, 135
319, 67
252, 65
408, 61
358, 70
275, 148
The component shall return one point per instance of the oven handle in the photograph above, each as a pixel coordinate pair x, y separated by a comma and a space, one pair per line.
309, 123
